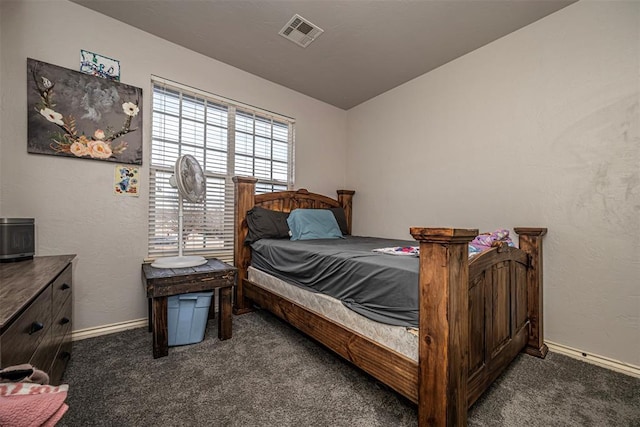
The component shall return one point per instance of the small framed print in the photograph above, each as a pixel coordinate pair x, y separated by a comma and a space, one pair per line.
126, 181
98, 65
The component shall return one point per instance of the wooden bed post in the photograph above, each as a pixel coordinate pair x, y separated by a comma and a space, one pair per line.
531, 243
345, 198
444, 325
244, 198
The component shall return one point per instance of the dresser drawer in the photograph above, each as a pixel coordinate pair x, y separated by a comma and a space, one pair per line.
60, 362
61, 323
61, 288
43, 356
25, 334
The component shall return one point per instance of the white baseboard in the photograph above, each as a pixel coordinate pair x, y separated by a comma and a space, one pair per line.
595, 359
97, 331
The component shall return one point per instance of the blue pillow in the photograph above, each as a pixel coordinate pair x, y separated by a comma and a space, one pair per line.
308, 224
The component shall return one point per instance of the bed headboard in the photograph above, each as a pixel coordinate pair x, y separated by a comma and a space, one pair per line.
283, 201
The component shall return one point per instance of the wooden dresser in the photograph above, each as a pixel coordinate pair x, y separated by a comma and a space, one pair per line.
35, 314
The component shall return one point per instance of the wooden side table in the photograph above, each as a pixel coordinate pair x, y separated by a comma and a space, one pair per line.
163, 282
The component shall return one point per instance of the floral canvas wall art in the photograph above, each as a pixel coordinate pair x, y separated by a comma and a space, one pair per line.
77, 115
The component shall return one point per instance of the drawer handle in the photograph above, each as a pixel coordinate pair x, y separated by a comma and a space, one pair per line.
35, 327
65, 355
64, 321
64, 287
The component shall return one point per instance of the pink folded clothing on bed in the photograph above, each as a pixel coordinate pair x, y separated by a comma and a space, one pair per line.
27, 404
480, 244
485, 241
488, 239
400, 250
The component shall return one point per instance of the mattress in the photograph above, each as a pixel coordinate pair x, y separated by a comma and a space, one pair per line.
350, 282
378, 286
398, 338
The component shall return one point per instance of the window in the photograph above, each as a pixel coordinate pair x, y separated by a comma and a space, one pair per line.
227, 139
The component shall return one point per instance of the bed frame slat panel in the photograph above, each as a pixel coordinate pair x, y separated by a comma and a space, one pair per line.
501, 306
477, 315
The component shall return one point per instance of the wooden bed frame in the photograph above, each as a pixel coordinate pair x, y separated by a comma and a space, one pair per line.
475, 317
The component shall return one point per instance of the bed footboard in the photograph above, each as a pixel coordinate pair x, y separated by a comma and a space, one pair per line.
475, 317
444, 325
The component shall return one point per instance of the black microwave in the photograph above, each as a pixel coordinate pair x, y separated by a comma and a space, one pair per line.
17, 239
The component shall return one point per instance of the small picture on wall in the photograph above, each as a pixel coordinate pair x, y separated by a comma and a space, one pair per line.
100, 66
77, 115
126, 181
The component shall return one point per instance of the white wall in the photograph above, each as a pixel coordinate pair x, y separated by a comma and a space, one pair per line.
540, 128
72, 199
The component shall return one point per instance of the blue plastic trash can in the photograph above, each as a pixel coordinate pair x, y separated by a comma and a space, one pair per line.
187, 316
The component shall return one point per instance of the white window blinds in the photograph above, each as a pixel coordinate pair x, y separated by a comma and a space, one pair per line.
227, 139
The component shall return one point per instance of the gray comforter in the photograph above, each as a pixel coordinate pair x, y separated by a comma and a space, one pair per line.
378, 286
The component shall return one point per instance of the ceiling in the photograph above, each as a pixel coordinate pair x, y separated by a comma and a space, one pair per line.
368, 46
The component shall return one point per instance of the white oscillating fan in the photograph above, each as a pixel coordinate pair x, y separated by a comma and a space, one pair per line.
189, 179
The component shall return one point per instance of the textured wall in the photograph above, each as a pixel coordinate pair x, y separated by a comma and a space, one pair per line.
72, 199
540, 128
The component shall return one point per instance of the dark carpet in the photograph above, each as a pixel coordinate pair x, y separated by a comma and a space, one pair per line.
269, 374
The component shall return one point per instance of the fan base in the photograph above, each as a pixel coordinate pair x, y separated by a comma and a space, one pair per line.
179, 262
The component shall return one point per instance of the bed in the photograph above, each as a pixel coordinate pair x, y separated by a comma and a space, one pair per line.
475, 316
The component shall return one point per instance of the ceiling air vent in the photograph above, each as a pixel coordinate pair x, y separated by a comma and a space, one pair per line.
300, 31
